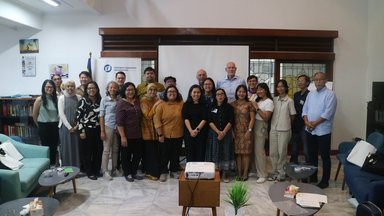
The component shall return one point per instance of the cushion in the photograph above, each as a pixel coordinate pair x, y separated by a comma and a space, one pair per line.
10, 162
359, 152
11, 150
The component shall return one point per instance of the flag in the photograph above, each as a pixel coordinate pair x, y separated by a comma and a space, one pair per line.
89, 64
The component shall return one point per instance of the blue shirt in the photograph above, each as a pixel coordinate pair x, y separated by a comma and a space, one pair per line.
320, 103
108, 111
230, 85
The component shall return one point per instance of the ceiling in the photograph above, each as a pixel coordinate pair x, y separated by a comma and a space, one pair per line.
66, 6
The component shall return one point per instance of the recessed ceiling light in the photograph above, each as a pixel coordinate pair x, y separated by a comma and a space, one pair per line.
53, 3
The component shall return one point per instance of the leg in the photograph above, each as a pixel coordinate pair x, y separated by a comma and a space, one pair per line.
324, 150
74, 185
137, 146
106, 149
273, 149
304, 140
312, 152
260, 158
164, 156
175, 154
214, 213
283, 140
239, 165
246, 164
295, 142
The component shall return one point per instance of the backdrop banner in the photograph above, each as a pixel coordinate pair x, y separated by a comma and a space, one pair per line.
106, 68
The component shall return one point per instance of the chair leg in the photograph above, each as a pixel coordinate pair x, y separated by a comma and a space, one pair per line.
343, 186
337, 171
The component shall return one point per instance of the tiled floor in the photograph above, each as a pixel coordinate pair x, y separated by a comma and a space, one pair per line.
119, 197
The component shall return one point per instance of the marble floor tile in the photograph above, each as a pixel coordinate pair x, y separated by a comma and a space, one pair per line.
146, 197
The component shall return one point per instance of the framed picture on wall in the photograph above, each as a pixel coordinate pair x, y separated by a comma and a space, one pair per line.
28, 66
58, 69
29, 45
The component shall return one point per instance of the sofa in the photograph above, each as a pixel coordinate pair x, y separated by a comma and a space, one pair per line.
366, 186
20, 183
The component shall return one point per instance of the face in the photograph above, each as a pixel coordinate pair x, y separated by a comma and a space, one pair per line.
241, 93
120, 79
208, 86
262, 93
302, 83
84, 79
152, 92
280, 88
113, 89
195, 94
172, 94
320, 80
130, 92
252, 83
220, 96
57, 80
92, 90
231, 69
48, 89
170, 82
150, 76
70, 88
201, 76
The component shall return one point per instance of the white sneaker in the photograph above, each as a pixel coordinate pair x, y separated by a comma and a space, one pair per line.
260, 180
163, 177
107, 176
117, 173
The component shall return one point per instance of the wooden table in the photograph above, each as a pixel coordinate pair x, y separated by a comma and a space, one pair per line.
199, 193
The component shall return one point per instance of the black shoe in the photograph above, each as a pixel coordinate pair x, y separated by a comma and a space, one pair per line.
129, 178
137, 177
92, 177
99, 174
313, 179
304, 180
323, 185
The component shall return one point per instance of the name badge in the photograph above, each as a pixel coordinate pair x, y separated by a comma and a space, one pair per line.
214, 110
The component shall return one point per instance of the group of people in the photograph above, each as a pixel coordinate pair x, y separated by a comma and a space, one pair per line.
227, 123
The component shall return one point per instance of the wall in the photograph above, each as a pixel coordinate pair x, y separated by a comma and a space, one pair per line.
69, 38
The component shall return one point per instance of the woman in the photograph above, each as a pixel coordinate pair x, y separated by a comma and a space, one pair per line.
58, 82
244, 114
69, 139
128, 116
252, 87
264, 108
151, 146
107, 120
219, 145
209, 92
280, 134
195, 117
46, 118
87, 116
168, 123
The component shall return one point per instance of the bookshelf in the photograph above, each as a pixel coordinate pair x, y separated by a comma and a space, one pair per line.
16, 119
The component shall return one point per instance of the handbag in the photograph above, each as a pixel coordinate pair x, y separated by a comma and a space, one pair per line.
374, 163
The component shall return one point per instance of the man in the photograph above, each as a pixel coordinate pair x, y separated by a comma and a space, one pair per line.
230, 83
318, 113
298, 129
201, 76
150, 77
57, 80
168, 81
85, 78
120, 78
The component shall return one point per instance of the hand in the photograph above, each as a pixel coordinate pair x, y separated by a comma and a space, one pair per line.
220, 135
193, 133
83, 135
102, 135
124, 142
161, 139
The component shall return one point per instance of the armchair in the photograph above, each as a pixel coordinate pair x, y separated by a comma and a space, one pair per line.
375, 138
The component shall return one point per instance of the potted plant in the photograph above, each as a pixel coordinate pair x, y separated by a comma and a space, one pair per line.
237, 196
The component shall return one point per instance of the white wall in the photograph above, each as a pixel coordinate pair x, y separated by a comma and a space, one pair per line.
68, 39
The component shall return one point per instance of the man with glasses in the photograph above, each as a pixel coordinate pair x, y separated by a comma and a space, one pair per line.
318, 113
231, 81
298, 129
150, 77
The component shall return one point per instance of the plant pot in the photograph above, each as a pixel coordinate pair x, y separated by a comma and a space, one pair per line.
230, 211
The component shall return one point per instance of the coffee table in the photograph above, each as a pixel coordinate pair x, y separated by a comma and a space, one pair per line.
276, 194
13, 208
59, 177
299, 171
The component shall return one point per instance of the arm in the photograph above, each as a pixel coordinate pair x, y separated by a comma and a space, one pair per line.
158, 123
63, 117
79, 118
102, 119
36, 109
252, 118
123, 136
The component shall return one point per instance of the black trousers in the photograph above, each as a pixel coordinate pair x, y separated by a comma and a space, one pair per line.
49, 136
91, 149
195, 147
131, 156
320, 145
151, 157
170, 153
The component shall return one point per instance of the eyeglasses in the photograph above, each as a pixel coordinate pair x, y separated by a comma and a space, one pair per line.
219, 94
91, 88
171, 92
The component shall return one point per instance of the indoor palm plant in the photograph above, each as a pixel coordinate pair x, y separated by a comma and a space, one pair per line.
238, 195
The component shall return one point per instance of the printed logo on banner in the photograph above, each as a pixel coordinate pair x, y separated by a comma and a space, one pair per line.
108, 68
